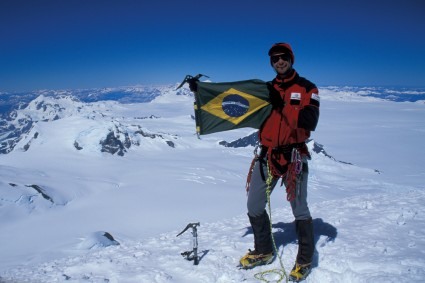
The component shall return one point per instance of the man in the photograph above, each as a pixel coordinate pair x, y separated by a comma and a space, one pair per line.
284, 154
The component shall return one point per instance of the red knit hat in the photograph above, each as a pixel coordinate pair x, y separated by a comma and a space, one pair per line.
282, 48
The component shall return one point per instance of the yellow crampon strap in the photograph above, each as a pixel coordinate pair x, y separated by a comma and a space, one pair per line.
281, 273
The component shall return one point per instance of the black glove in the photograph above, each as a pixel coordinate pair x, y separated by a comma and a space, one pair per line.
275, 98
193, 84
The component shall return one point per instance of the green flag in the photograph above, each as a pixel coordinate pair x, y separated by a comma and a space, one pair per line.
226, 106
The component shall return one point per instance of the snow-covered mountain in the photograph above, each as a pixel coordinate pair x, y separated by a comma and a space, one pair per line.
20, 116
96, 184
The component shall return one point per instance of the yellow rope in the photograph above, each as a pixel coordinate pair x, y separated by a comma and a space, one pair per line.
280, 272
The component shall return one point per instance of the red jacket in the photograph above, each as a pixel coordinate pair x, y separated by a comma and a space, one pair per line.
295, 112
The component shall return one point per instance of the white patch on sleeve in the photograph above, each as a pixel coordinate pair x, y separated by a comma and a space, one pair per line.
315, 96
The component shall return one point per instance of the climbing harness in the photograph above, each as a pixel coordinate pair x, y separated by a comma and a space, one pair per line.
193, 254
297, 161
289, 173
280, 272
294, 170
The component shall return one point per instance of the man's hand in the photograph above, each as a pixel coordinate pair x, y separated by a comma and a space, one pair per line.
275, 98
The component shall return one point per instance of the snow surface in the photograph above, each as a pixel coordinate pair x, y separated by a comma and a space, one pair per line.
367, 201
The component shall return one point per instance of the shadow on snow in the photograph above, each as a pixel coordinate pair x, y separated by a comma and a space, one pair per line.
286, 234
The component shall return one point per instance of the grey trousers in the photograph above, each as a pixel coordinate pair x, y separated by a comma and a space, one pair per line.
257, 197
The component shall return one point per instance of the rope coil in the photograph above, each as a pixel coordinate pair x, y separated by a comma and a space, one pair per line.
280, 272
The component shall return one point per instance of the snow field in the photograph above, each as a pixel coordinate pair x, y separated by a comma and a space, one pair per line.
388, 247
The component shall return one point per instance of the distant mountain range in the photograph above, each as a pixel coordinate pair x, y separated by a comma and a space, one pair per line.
396, 94
140, 94
133, 94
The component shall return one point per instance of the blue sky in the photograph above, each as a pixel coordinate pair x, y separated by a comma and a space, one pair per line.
68, 44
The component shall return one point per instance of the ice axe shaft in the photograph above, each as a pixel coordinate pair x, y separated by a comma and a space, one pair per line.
188, 255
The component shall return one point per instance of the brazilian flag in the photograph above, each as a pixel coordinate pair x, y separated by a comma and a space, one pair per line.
226, 106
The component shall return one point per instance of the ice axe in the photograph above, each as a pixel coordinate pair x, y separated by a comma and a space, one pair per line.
192, 81
193, 254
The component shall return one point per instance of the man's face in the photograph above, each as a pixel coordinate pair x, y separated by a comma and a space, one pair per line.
281, 62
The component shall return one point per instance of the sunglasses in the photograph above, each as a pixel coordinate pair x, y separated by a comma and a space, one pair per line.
284, 57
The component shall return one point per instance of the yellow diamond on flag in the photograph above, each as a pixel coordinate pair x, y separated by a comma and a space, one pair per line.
234, 105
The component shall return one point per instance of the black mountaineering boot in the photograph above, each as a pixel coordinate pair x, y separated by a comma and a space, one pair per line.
302, 267
299, 272
263, 253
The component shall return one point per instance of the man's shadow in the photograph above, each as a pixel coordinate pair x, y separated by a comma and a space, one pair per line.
286, 234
